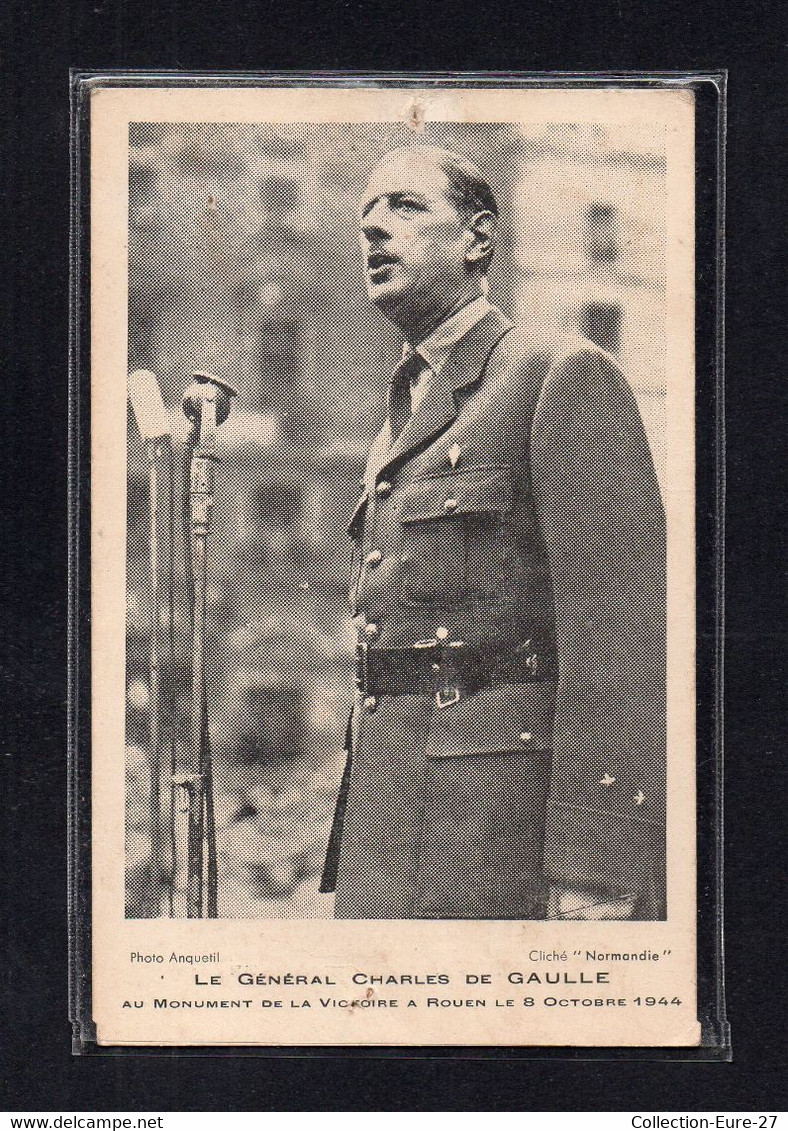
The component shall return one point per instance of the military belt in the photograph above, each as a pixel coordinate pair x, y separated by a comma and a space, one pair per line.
450, 669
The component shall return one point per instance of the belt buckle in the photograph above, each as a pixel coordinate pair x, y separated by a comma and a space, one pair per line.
445, 696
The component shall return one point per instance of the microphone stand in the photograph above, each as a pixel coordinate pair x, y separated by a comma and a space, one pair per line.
161, 466
206, 403
154, 426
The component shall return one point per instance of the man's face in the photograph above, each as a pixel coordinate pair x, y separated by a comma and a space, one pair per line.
413, 242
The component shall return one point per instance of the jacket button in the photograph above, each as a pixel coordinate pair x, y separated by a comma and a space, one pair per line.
383, 489
450, 505
371, 631
373, 558
370, 703
526, 736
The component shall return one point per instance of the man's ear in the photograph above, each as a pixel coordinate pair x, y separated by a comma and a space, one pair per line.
482, 228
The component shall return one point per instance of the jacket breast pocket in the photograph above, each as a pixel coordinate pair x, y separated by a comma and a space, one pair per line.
453, 544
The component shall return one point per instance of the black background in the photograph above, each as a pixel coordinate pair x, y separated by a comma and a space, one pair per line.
42, 43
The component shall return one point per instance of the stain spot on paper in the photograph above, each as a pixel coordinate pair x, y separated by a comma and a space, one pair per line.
417, 113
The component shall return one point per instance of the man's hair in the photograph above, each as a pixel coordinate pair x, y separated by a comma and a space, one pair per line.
467, 188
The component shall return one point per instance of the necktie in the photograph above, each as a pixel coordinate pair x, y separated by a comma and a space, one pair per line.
404, 376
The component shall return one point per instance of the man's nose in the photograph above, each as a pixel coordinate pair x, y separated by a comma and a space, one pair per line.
374, 225
374, 232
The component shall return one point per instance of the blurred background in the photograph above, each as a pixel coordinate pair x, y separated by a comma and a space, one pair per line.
244, 260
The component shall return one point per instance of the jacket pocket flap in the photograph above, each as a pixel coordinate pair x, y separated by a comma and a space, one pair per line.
474, 490
497, 720
358, 516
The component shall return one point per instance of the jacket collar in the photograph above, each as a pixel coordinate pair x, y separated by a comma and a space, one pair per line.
437, 346
463, 367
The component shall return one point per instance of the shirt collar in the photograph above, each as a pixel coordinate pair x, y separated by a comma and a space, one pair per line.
437, 346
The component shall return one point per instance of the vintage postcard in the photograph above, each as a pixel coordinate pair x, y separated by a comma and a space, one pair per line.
393, 564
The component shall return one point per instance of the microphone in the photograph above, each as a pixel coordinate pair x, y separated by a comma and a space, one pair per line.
207, 387
147, 405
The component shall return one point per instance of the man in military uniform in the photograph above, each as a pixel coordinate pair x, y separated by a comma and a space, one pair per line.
506, 751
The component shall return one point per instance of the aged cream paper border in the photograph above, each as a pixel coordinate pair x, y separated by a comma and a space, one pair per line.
337, 950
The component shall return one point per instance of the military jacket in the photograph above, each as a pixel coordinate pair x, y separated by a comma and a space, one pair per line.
518, 512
